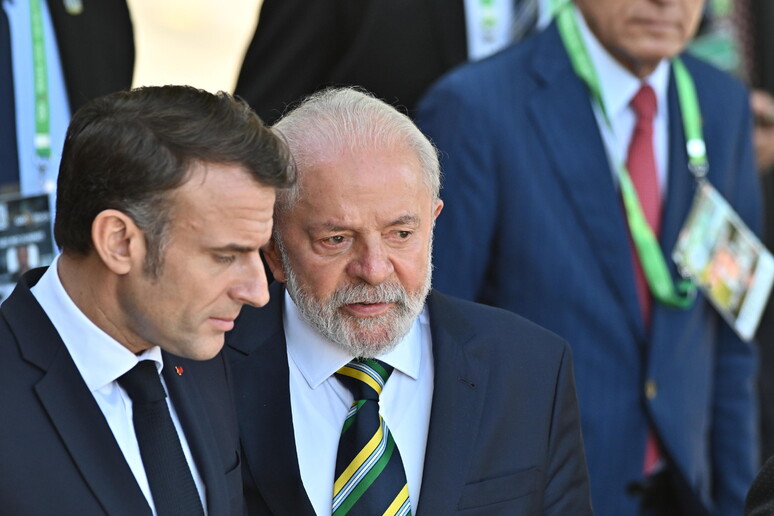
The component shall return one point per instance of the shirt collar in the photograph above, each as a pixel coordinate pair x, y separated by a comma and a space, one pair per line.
99, 358
318, 358
620, 85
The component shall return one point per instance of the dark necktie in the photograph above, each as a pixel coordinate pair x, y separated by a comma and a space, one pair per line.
9, 160
171, 483
370, 478
641, 164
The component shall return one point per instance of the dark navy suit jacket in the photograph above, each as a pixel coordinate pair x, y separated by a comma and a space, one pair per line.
57, 452
96, 48
504, 435
395, 49
533, 223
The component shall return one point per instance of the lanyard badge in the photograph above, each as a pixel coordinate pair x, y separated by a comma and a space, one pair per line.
663, 289
715, 249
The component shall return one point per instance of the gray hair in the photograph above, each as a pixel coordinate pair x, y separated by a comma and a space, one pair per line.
347, 119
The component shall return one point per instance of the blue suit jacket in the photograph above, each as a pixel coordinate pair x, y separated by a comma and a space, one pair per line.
533, 223
504, 435
57, 452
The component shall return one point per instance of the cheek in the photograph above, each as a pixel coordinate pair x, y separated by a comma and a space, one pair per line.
321, 280
693, 20
412, 271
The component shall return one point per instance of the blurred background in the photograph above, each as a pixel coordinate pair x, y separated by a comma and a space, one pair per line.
196, 42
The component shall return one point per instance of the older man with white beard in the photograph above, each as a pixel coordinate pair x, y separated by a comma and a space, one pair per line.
362, 391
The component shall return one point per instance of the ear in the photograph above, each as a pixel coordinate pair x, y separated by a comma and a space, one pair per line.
272, 255
117, 240
437, 209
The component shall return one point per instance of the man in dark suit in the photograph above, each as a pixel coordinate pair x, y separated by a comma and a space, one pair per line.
88, 52
165, 196
760, 498
480, 404
393, 49
535, 224
96, 47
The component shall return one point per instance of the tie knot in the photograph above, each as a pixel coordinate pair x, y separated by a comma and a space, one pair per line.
644, 103
365, 378
142, 383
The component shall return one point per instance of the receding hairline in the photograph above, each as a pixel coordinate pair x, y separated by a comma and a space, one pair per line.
329, 156
333, 121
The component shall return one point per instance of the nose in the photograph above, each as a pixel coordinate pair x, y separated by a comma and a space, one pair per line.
250, 286
371, 263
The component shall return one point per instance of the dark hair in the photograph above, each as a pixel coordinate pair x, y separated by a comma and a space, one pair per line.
128, 150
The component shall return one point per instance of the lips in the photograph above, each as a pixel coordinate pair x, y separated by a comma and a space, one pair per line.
368, 309
655, 24
223, 324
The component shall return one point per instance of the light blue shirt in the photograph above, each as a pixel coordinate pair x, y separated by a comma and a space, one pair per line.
618, 86
33, 180
484, 40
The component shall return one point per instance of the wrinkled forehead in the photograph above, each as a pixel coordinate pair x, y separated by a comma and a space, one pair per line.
335, 169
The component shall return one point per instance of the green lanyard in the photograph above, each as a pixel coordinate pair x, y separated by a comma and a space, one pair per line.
42, 112
556, 5
649, 252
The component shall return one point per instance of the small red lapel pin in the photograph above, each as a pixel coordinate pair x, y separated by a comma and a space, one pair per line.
179, 370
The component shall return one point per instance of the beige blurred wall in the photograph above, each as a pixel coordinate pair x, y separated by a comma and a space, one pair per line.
196, 42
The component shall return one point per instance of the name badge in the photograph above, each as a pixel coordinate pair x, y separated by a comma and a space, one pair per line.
25, 237
732, 268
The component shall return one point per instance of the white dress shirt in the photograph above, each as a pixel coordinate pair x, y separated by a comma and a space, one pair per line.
101, 360
484, 41
618, 86
32, 180
319, 402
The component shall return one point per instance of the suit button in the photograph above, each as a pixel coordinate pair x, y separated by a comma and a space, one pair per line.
651, 391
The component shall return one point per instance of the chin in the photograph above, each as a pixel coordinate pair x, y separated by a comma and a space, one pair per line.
371, 345
204, 351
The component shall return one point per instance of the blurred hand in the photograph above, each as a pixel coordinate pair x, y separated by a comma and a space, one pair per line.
762, 104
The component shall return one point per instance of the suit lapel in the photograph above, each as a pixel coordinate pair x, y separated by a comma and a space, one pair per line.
579, 159
71, 407
262, 390
680, 191
458, 399
189, 407
681, 184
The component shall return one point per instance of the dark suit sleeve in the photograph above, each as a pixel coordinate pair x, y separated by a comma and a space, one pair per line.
296, 44
760, 499
735, 425
566, 489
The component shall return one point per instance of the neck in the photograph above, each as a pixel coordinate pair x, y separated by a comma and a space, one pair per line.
93, 289
639, 68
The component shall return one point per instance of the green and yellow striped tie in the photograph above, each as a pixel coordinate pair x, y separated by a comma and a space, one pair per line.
370, 479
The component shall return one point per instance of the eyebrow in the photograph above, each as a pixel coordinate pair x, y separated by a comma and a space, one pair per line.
405, 220
334, 226
233, 248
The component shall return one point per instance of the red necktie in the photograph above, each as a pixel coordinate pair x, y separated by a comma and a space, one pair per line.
641, 164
